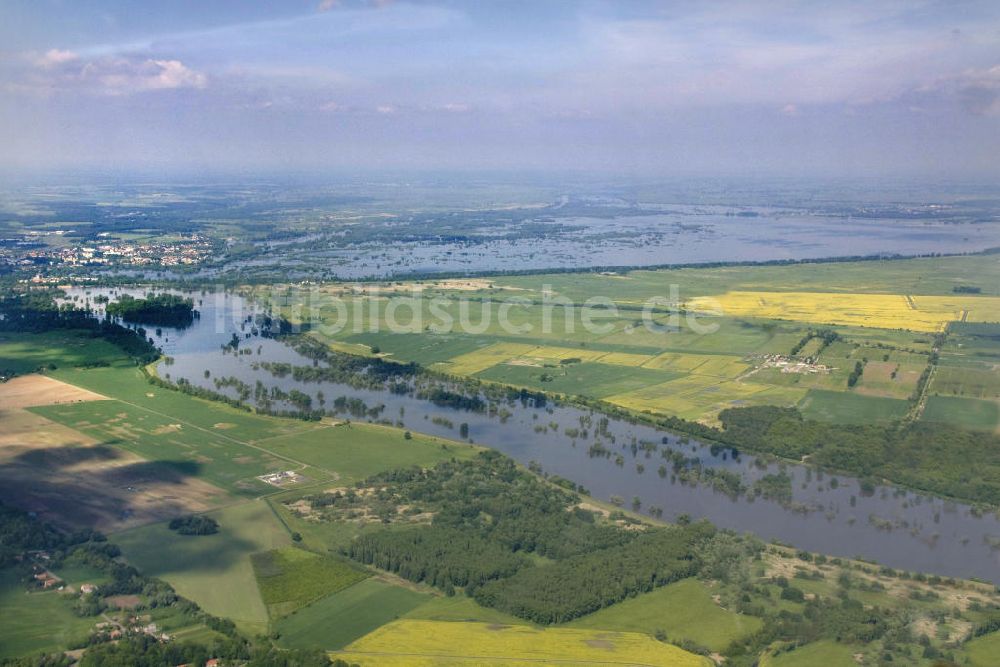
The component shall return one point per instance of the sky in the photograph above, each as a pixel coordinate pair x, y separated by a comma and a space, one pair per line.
867, 88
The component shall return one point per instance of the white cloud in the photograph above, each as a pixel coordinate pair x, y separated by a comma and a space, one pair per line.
65, 70
166, 74
56, 57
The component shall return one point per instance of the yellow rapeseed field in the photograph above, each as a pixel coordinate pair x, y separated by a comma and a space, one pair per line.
882, 311
412, 643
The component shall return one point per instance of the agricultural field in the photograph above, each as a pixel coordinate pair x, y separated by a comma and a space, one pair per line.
684, 611
966, 381
878, 311
75, 480
124, 382
29, 352
935, 276
336, 620
479, 360
699, 397
600, 380
461, 608
213, 570
354, 451
851, 408
971, 413
290, 578
413, 643
35, 390
886, 315
137, 453
191, 450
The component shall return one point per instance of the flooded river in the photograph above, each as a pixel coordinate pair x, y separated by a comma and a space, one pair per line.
828, 514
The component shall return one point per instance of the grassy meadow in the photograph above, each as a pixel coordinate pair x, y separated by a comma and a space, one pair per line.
336, 620
290, 578
684, 611
26, 353
213, 570
825, 652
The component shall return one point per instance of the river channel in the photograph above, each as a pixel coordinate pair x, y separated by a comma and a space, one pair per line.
828, 513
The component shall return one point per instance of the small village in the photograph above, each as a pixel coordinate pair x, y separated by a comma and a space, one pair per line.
40, 248
786, 364
113, 627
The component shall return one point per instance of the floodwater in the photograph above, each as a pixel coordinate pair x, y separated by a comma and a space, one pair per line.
687, 235
898, 528
652, 240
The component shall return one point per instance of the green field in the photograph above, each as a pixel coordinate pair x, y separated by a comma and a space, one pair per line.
911, 299
983, 651
825, 652
683, 610
28, 352
462, 608
230, 447
355, 451
290, 578
590, 378
336, 620
851, 408
193, 450
968, 380
36, 622
197, 634
75, 573
213, 570
966, 412
126, 383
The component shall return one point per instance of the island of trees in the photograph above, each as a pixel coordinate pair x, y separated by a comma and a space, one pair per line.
167, 310
194, 525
